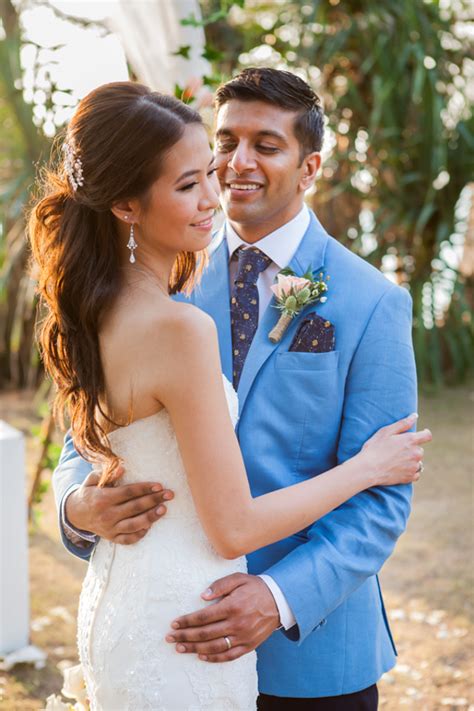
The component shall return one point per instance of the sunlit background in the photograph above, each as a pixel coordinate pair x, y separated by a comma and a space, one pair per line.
396, 186
397, 83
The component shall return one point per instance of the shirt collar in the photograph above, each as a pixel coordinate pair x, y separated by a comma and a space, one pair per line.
273, 245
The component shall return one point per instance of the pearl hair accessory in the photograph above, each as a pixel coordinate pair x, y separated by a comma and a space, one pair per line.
72, 165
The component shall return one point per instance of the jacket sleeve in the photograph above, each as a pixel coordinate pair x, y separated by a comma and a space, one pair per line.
69, 474
351, 543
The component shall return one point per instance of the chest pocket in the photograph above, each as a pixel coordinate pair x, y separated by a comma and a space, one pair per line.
310, 387
295, 361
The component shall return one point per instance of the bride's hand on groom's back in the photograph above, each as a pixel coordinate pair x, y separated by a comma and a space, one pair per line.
393, 455
122, 514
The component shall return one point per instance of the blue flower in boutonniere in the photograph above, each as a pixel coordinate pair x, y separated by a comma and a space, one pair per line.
293, 294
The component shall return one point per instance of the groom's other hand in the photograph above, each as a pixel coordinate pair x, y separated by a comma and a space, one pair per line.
245, 614
122, 514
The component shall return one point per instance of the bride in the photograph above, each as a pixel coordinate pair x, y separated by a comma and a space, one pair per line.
124, 223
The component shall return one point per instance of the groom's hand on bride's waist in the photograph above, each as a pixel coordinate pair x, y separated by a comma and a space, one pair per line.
122, 514
243, 618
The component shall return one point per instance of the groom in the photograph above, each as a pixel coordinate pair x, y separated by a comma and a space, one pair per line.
311, 603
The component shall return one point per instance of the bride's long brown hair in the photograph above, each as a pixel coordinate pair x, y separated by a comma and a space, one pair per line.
121, 133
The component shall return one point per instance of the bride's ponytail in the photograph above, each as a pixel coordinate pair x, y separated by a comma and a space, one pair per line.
113, 151
78, 278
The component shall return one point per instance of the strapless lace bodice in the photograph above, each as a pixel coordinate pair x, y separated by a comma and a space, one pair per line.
132, 593
149, 450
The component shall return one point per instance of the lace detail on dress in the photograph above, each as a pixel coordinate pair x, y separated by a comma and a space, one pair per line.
132, 593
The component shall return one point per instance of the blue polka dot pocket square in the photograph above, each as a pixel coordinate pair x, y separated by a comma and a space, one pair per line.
315, 335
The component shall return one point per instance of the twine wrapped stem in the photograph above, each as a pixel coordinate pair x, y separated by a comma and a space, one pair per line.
277, 332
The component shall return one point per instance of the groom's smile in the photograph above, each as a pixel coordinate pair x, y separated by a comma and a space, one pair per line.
237, 187
241, 190
259, 166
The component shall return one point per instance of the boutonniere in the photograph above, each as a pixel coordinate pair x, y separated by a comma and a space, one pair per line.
293, 294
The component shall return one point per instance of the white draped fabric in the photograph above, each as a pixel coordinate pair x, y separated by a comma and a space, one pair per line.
150, 31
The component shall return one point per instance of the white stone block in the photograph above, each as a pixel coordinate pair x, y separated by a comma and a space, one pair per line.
14, 592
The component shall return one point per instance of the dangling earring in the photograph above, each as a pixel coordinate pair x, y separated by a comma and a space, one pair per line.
132, 245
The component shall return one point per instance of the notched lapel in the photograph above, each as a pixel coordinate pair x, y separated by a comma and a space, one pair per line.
212, 296
259, 351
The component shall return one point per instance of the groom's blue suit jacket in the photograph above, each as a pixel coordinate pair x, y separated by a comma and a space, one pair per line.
301, 414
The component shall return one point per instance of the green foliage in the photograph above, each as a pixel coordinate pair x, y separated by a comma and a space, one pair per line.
211, 54
193, 21
183, 51
23, 146
219, 11
392, 77
52, 456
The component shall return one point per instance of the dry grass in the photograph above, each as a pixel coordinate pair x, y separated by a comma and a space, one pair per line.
428, 583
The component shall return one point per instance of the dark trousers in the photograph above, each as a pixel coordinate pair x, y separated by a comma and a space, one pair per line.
365, 700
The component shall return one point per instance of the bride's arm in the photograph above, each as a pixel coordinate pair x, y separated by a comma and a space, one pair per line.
191, 389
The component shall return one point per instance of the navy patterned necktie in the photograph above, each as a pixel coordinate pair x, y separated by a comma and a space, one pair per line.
244, 305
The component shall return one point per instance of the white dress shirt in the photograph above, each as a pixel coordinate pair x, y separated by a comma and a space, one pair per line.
280, 246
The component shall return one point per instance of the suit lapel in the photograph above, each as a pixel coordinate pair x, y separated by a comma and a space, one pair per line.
310, 253
212, 296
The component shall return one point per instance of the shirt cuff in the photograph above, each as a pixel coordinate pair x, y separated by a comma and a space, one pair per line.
82, 539
287, 618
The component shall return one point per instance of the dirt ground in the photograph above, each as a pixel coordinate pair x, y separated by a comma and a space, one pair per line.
428, 583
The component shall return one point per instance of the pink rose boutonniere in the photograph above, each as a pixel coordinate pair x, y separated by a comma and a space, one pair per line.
293, 294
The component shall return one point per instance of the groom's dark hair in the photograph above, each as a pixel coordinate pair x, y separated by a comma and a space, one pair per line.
282, 89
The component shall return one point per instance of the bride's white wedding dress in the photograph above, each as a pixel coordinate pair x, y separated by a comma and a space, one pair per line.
131, 594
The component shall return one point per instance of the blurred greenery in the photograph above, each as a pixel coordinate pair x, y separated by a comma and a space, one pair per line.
21, 145
24, 147
393, 77
395, 186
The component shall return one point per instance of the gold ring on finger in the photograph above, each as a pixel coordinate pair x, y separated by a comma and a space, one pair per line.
228, 643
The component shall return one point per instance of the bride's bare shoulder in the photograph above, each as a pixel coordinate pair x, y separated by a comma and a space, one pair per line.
185, 350
185, 325
181, 315
154, 332
152, 321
